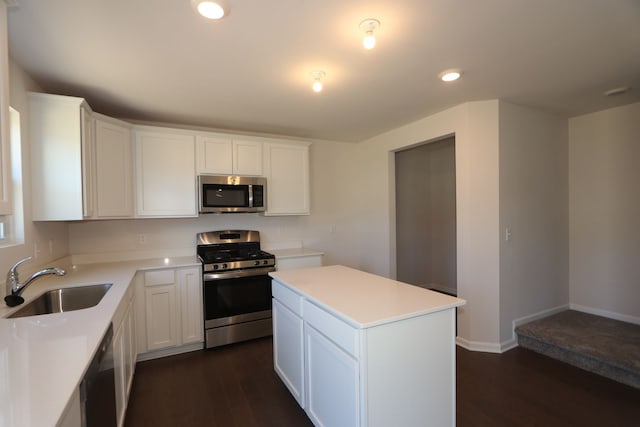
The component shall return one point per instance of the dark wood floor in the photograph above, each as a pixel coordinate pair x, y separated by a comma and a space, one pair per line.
235, 386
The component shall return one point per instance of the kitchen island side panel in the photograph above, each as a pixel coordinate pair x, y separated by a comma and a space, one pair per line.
409, 368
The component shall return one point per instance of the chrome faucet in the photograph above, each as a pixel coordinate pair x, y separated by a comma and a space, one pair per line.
15, 288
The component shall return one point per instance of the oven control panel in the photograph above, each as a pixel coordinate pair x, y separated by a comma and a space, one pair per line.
235, 265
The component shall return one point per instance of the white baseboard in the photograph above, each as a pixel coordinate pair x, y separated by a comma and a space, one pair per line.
535, 316
490, 347
605, 313
539, 315
485, 347
169, 351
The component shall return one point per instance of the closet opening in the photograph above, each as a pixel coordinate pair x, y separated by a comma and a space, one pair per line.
425, 188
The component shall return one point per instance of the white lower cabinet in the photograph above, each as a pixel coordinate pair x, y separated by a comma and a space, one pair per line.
191, 317
172, 306
124, 351
333, 380
162, 316
397, 373
288, 349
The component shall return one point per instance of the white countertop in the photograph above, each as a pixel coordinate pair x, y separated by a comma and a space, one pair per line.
43, 358
363, 299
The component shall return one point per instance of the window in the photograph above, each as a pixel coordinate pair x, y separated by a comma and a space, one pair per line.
12, 224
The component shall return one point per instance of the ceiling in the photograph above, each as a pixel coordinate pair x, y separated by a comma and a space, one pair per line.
159, 61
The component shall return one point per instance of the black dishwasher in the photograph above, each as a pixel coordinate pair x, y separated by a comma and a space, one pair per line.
98, 390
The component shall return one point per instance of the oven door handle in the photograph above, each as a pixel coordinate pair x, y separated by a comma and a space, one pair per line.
239, 273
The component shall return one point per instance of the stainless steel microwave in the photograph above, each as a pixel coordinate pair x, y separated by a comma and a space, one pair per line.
220, 194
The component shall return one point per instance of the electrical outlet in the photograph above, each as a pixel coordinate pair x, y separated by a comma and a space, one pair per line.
142, 239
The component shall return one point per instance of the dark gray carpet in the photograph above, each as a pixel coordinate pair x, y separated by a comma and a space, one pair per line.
604, 346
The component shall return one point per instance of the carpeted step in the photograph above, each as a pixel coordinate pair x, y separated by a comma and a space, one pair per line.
607, 347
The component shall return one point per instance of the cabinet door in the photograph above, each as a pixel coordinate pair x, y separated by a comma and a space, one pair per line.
247, 157
288, 349
61, 153
287, 172
114, 170
214, 155
88, 164
165, 175
332, 378
162, 316
191, 305
129, 352
119, 371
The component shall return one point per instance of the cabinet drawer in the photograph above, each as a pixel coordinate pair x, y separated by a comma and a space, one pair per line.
287, 297
159, 277
333, 328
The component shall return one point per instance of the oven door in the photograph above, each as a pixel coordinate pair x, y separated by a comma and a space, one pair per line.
232, 300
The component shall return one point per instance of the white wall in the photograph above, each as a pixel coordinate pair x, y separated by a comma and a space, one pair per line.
35, 233
534, 206
475, 126
604, 209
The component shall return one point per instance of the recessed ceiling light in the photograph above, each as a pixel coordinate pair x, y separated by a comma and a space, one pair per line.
450, 75
211, 9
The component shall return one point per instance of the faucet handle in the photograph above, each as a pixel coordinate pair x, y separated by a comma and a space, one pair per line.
22, 261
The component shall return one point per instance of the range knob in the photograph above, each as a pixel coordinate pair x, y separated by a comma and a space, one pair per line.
265, 262
256, 263
215, 266
224, 265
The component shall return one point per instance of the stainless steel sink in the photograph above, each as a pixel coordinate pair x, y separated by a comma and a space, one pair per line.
64, 299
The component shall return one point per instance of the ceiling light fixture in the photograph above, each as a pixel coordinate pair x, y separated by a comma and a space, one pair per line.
450, 75
211, 9
317, 80
368, 26
617, 91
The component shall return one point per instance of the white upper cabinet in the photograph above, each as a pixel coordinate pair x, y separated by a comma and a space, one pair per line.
215, 155
287, 170
114, 168
61, 157
247, 157
165, 173
228, 155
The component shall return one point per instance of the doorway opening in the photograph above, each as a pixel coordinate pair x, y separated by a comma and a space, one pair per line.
425, 179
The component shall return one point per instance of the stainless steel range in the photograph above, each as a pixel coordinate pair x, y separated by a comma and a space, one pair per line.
237, 286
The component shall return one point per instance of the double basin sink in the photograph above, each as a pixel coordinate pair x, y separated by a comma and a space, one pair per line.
63, 299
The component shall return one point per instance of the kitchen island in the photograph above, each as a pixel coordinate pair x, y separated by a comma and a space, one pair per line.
356, 349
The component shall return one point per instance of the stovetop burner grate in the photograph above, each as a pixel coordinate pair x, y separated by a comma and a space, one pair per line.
235, 249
